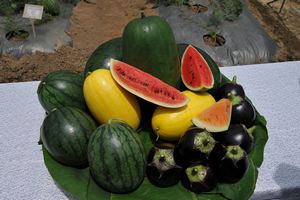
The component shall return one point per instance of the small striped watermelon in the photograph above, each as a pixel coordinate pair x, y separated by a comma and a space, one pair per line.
116, 156
61, 88
100, 58
65, 133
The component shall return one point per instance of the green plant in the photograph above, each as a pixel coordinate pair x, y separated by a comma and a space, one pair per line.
170, 2
10, 24
228, 10
9, 7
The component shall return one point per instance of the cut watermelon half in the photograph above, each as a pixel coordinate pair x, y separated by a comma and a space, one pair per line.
146, 86
216, 118
195, 72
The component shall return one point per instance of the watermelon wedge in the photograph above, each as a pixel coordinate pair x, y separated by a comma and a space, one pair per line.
195, 72
146, 86
215, 118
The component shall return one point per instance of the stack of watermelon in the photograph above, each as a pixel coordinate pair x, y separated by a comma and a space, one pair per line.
148, 107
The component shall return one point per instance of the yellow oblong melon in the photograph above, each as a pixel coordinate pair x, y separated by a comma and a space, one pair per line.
171, 123
216, 118
107, 100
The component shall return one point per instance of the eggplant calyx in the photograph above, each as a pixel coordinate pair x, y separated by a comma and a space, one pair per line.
204, 142
235, 153
234, 79
250, 130
163, 160
235, 100
196, 173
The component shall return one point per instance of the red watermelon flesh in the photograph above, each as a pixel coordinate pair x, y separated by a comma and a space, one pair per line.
215, 118
195, 72
146, 86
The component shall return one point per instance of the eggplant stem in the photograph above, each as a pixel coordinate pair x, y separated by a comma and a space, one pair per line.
234, 99
234, 79
251, 130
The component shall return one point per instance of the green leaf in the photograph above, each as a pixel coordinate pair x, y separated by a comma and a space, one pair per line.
260, 135
75, 181
242, 189
147, 136
79, 184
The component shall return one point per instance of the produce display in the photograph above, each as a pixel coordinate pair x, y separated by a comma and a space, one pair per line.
150, 119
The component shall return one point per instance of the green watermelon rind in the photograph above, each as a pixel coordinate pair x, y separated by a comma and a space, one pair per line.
117, 158
65, 133
61, 88
149, 44
100, 58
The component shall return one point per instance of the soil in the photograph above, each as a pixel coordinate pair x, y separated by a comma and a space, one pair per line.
94, 22
283, 27
214, 40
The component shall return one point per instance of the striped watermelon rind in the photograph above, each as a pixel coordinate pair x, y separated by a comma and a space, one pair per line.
61, 88
117, 158
65, 133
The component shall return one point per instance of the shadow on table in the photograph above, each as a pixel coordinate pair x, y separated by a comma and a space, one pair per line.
288, 179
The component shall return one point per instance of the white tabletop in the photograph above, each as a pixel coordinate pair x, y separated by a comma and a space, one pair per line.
273, 88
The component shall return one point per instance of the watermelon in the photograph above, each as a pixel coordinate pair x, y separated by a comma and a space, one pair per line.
149, 44
61, 88
211, 63
146, 86
117, 158
195, 72
215, 118
65, 133
100, 58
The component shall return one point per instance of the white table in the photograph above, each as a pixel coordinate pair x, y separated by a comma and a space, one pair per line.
273, 88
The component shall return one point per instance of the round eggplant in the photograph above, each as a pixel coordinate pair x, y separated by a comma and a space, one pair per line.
237, 134
233, 166
230, 89
193, 147
162, 169
199, 178
243, 112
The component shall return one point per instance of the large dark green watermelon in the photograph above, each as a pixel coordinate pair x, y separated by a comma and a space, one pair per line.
65, 133
116, 157
149, 44
213, 66
100, 58
61, 88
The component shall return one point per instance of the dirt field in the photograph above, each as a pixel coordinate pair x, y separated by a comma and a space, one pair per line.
94, 23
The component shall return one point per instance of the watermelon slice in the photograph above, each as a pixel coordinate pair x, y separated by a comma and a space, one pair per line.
146, 86
195, 72
216, 118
